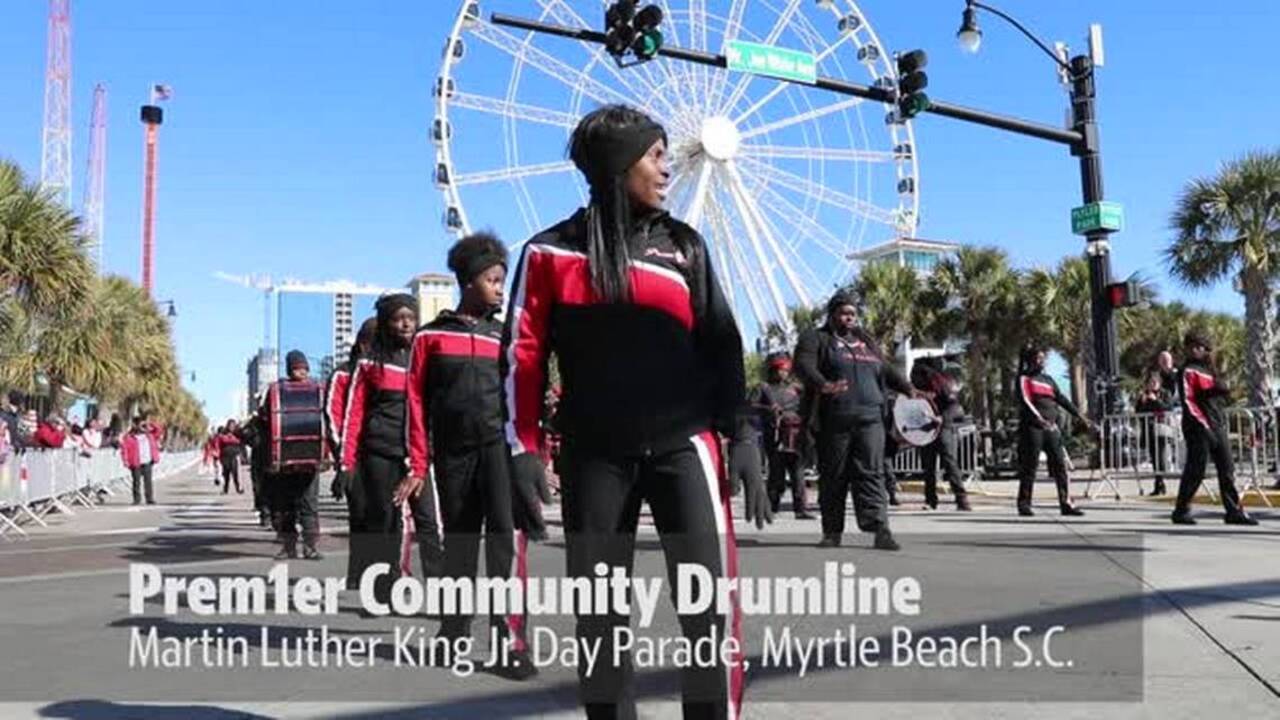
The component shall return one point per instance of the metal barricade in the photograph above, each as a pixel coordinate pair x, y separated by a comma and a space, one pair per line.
909, 460
36, 483
1140, 446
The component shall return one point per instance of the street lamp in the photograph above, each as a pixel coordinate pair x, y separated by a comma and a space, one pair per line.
173, 309
970, 35
1079, 73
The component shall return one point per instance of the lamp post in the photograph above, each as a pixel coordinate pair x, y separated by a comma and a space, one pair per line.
172, 312
1079, 70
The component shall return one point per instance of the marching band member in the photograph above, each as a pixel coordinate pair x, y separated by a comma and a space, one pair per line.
1039, 400
455, 423
941, 389
373, 445
346, 485
778, 403
846, 381
294, 494
1203, 393
651, 369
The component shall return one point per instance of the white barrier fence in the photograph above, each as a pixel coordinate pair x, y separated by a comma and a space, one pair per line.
909, 461
36, 483
1141, 446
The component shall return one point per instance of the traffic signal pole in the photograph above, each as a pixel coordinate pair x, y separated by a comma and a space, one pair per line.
1081, 138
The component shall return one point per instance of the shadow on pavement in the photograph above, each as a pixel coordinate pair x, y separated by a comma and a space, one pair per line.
104, 710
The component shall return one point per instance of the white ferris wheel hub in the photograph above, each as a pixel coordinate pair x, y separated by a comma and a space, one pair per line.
720, 138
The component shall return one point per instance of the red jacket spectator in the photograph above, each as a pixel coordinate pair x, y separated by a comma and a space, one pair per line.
48, 436
131, 453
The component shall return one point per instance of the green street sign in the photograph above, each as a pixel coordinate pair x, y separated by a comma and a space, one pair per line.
771, 61
1106, 216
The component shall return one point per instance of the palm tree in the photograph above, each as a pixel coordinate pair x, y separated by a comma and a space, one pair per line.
889, 295
802, 318
42, 258
975, 293
1061, 302
1231, 223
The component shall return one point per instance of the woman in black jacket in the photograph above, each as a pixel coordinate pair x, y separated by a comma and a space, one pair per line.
1039, 401
373, 445
846, 378
651, 366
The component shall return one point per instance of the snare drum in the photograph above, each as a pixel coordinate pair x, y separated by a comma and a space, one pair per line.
788, 433
915, 421
295, 430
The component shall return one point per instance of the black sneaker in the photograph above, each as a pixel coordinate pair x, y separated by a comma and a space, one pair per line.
829, 541
1159, 489
804, 515
310, 552
1026, 511
1072, 511
962, 504
893, 501
288, 552
1182, 518
1240, 518
884, 540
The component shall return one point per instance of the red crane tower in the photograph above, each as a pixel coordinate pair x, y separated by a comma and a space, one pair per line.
152, 118
95, 180
55, 156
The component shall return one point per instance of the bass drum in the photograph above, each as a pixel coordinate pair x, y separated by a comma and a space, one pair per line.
915, 421
295, 431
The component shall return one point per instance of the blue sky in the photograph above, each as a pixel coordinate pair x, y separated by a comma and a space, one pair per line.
296, 142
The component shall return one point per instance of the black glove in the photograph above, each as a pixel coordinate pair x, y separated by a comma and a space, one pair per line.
339, 485
745, 474
527, 476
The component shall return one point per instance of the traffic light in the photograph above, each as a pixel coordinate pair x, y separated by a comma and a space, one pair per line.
617, 27
911, 84
648, 40
1124, 294
630, 31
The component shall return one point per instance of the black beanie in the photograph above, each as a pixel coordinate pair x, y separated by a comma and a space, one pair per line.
603, 151
296, 357
387, 306
839, 300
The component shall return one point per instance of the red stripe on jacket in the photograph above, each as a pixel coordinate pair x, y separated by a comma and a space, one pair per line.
369, 376
426, 345
335, 407
1193, 383
548, 276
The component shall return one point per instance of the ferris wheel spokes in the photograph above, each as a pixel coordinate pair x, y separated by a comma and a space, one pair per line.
769, 233
819, 192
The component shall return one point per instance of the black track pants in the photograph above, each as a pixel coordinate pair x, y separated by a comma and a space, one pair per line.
689, 501
944, 451
1203, 444
851, 461
1031, 441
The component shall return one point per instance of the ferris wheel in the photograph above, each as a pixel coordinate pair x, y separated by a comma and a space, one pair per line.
784, 181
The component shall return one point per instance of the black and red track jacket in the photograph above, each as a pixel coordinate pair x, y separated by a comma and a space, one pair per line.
638, 377
1203, 393
335, 408
375, 409
454, 390
1040, 399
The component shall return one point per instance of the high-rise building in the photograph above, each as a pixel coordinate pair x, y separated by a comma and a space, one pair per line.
321, 321
261, 371
435, 292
